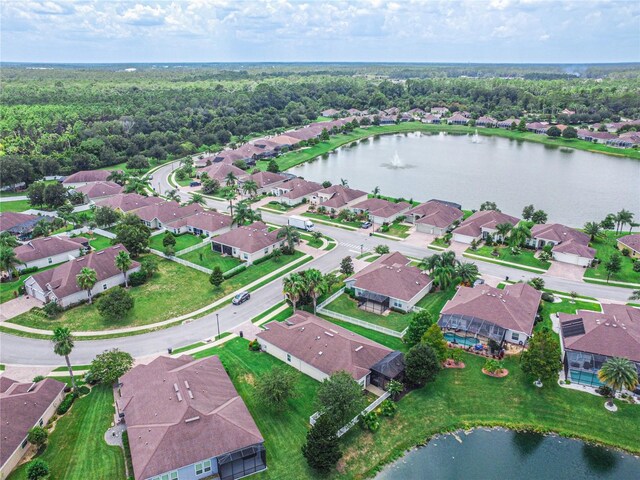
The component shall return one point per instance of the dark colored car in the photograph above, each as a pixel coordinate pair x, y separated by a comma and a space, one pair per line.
194, 184
365, 225
241, 298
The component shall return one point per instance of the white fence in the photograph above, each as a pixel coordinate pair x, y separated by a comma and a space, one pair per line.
181, 261
361, 323
194, 247
83, 230
330, 299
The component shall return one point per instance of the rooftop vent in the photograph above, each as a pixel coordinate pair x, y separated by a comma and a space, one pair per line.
192, 419
186, 384
359, 348
319, 353
175, 387
332, 330
190, 394
329, 334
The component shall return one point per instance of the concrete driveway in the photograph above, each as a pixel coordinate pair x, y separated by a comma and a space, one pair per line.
17, 306
566, 270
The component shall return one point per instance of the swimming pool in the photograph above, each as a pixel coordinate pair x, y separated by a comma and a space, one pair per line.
584, 378
455, 338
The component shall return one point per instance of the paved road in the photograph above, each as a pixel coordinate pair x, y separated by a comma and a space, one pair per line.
20, 350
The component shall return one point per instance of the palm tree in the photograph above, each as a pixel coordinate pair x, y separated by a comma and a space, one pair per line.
8, 260
618, 373
136, 185
314, 285
429, 263
503, 230
519, 236
344, 182
123, 262
443, 276
118, 176
633, 225
173, 195
230, 194
197, 198
63, 345
623, 217
635, 295
467, 272
86, 280
376, 191
8, 240
593, 229
230, 179
292, 287
291, 234
244, 214
250, 188
448, 258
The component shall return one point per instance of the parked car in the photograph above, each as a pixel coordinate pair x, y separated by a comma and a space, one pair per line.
365, 225
194, 184
241, 298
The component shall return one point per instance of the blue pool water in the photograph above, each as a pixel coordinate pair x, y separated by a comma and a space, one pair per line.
584, 378
466, 341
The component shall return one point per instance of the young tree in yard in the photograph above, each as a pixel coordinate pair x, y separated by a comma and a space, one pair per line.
63, 345
217, 277
527, 212
537, 283
635, 295
292, 287
394, 388
133, 234
435, 339
314, 285
115, 304
522, 125
8, 260
276, 386
322, 448
346, 266
210, 186
519, 235
418, 325
541, 360
467, 273
273, 167
37, 436
110, 365
86, 280
37, 469
539, 217
292, 236
381, 249
105, 216
197, 198
618, 373
609, 222
123, 262
421, 364
169, 239
339, 398
593, 229
502, 230
613, 265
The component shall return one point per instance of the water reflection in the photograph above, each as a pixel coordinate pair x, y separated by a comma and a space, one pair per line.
599, 459
526, 443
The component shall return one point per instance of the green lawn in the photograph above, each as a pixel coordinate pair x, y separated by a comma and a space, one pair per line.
565, 306
7, 288
607, 246
76, 449
434, 301
15, 206
393, 343
98, 242
526, 257
439, 242
206, 257
335, 221
182, 241
397, 230
281, 207
347, 306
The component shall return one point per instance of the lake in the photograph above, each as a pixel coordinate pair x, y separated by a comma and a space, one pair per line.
572, 186
496, 454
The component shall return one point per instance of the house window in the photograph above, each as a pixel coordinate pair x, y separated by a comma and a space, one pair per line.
203, 467
50, 261
515, 336
266, 250
288, 357
245, 256
397, 303
104, 286
24, 444
41, 422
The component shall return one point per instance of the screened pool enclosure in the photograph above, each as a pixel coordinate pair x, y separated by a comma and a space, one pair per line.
472, 327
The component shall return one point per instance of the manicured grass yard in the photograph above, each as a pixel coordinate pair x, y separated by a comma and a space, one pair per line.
565, 307
206, 257
526, 257
182, 241
397, 230
282, 207
7, 288
347, 306
98, 242
607, 246
76, 449
434, 301
15, 206
335, 221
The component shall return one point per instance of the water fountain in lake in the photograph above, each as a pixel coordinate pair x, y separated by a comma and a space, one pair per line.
397, 163
475, 138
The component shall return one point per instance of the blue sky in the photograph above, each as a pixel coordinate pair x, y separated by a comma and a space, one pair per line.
492, 31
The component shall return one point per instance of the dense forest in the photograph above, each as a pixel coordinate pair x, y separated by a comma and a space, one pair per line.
54, 121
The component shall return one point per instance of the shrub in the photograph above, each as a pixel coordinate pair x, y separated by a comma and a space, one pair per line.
52, 309
492, 366
37, 469
636, 266
65, 405
137, 278
545, 256
83, 390
29, 270
369, 421
381, 249
626, 252
115, 304
38, 378
537, 283
37, 436
254, 345
605, 391
234, 271
387, 408
548, 297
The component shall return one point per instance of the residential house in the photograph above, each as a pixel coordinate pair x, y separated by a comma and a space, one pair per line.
269, 148
434, 217
429, 118
569, 245
508, 123
285, 141
481, 224
390, 282
484, 313
337, 197
128, 202
381, 211
83, 177
405, 117
589, 339
201, 159
566, 111
59, 284
626, 140
99, 190
330, 112
319, 348
354, 112
219, 172
417, 113
386, 119
538, 127
186, 420
248, 243
42, 252
20, 224
486, 122
295, 191
439, 110
206, 222
310, 131
632, 243
457, 119
265, 181
22, 407
392, 111
160, 214
596, 137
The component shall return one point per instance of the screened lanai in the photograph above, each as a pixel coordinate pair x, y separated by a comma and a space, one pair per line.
473, 327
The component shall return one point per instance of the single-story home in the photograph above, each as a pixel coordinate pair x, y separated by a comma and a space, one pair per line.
22, 407
20, 224
83, 177
310, 131
337, 197
566, 111
330, 112
265, 181
486, 122
390, 282
632, 243
42, 252
439, 110
484, 313
59, 284
625, 140
508, 123
597, 137
354, 112
538, 127
457, 119
417, 113
219, 172
248, 243
434, 217
387, 119
319, 348
381, 211
430, 118
128, 202
589, 339
392, 111
569, 245
481, 224
207, 223
186, 420
158, 215
295, 191
285, 141
269, 148
99, 190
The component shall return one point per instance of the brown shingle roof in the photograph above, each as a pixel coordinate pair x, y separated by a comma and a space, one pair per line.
249, 239
615, 332
129, 201
513, 308
167, 211
48, 247
473, 225
21, 407
324, 345
436, 213
167, 431
392, 276
62, 280
569, 240
264, 179
631, 241
339, 196
299, 188
380, 207
8, 220
206, 220
88, 176
100, 189
219, 171
284, 140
